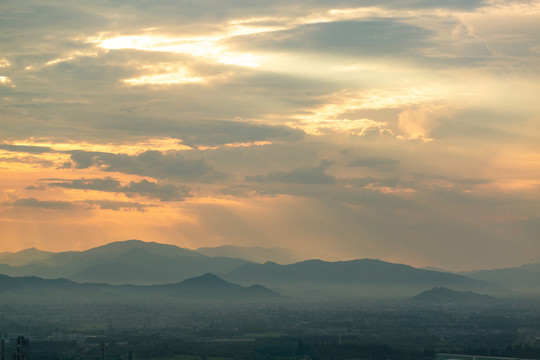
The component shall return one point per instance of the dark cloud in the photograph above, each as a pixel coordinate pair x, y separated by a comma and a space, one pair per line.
365, 38
453, 180
149, 163
32, 187
117, 205
107, 184
478, 125
392, 182
35, 203
151, 189
206, 132
66, 205
374, 161
23, 19
306, 175
26, 148
28, 160
144, 187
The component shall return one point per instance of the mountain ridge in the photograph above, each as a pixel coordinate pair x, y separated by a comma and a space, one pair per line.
361, 277
251, 253
207, 287
150, 263
131, 261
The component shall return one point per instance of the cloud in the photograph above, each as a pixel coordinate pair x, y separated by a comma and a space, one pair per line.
35, 203
373, 162
452, 180
32, 187
67, 205
149, 163
116, 205
306, 175
417, 123
26, 148
141, 188
351, 38
28, 160
204, 132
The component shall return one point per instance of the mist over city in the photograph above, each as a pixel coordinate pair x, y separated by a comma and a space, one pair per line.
211, 179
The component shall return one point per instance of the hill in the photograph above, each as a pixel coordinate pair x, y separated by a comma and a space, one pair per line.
212, 287
364, 278
444, 295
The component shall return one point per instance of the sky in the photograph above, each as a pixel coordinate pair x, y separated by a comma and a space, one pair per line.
402, 130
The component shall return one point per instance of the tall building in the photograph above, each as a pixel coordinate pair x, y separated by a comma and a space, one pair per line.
23, 348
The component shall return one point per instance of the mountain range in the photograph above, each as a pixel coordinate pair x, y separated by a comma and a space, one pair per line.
251, 253
24, 257
125, 262
207, 287
363, 277
524, 279
139, 263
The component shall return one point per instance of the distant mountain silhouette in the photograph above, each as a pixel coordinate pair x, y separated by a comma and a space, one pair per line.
444, 295
211, 286
24, 257
126, 262
251, 253
147, 263
33, 288
119, 247
364, 277
524, 279
208, 287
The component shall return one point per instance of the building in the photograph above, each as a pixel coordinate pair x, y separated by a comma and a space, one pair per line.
23, 348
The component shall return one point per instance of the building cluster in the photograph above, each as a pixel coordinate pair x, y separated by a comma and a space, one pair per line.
22, 350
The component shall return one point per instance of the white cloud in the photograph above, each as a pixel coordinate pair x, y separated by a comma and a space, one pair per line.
417, 122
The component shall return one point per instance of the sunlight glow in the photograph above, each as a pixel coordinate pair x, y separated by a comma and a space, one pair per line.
71, 56
129, 148
4, 80
179, 77
335, 116
201, 46
235, 145
357, 127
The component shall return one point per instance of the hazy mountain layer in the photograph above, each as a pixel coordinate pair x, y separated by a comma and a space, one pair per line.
207, 287
147, 263
24, 257
364, 278
251, 253
126, 262
524, 279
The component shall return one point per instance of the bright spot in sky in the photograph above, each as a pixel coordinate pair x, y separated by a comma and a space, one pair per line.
179, 77
4, 80
202, 46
